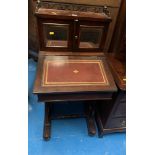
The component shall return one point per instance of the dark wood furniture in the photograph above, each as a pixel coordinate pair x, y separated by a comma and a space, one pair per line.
67, 30
72, 66
72, 78
112, 6
111, 116
118, 42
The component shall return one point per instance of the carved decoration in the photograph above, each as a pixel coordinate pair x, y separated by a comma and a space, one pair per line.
73, 7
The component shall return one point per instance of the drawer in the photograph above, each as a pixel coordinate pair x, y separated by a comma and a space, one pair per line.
117, 123
120, 106
120, 110
123, 98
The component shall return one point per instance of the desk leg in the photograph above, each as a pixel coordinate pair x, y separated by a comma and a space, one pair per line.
47, 122
99, 124
90, 119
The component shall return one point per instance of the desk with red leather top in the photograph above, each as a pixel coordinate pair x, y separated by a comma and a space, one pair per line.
72, 78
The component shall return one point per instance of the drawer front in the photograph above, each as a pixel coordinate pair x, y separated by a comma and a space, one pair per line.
117, 123
123, 97
120, 108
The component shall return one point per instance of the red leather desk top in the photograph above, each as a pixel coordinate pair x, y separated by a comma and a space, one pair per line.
74, 73
63, 74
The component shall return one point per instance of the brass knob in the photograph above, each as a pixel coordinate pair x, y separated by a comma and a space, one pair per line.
76, 20
76, 37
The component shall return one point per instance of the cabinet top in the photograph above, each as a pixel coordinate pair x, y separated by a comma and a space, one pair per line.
68, 14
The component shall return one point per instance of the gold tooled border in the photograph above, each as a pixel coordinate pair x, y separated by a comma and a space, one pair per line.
99, 62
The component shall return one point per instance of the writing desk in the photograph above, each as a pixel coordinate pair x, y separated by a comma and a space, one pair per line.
72, 78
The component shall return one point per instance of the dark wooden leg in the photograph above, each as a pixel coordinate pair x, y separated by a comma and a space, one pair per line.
99, 123
90, 119
47, 122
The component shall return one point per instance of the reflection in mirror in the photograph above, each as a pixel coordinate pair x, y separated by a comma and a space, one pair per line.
55, 35
90, 36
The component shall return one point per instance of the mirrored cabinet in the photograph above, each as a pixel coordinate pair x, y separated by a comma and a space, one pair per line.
55, 35
91, 35
64, 30
85, 41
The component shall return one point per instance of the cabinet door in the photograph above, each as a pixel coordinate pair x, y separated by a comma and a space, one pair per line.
91, 35
55, 35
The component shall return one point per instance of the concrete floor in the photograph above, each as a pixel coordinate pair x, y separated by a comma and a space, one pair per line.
69, 136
